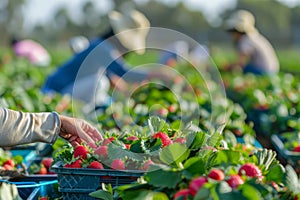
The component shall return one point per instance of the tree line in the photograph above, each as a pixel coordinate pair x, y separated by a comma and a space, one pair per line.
278, 22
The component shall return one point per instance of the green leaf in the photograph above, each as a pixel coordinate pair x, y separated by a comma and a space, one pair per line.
194, 166
214, 139
159, 196
223, 188
155, 124
165, 178
101, 194
117, 152
195, 140
265, 157
226, 157
291, 180
174, 153
250, 192
202, 194
150, 195
18, 159
249, 139
153, 146
176, 125
136, 147
133, 195
230, 138
276, 173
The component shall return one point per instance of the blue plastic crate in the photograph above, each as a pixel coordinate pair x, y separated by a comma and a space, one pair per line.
34, 190
78, 183
256, 142
27, 154
292, 157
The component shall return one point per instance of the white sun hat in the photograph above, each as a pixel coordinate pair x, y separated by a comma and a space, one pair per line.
243, 21
131, 29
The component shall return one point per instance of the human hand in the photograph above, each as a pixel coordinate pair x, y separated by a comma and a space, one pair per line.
77, 131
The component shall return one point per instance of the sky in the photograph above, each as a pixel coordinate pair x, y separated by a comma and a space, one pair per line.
38, 11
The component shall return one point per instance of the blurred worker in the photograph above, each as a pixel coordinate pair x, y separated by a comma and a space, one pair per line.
82, 75
31, 50
256, 54
181, 51
24, 128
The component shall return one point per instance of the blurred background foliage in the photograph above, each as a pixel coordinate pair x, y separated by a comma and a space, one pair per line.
277, 21
280, 23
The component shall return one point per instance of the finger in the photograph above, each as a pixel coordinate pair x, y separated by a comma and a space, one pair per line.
92, 132
85, 137
93, 145
75, 144
95, 135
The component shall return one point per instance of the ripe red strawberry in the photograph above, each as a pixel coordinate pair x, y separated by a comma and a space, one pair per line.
180, 140
127, 146
196, 184
43, 170
132, 138
75, 164
117, 164
235, 180
171, 109
183, 194
96, 165
216, 174
297, 148
9, 162
162, 112
81, 152
101, 151
47, 162
251, 170
8, 167
147, 164
108, 140
164, 138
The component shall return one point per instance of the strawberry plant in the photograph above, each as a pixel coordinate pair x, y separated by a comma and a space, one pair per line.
253, 176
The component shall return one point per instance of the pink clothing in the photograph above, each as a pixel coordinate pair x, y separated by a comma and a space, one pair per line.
33, 51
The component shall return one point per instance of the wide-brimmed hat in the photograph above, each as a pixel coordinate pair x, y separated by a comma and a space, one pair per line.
131, 29
242, 21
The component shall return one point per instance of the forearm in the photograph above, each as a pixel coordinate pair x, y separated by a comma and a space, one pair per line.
22, 128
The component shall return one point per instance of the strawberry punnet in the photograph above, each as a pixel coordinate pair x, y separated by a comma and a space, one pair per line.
196, 184
235, 180
250, 170
81, 152
216, 174
164, 138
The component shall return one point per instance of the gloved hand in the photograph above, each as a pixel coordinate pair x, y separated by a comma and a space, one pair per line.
77, 131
